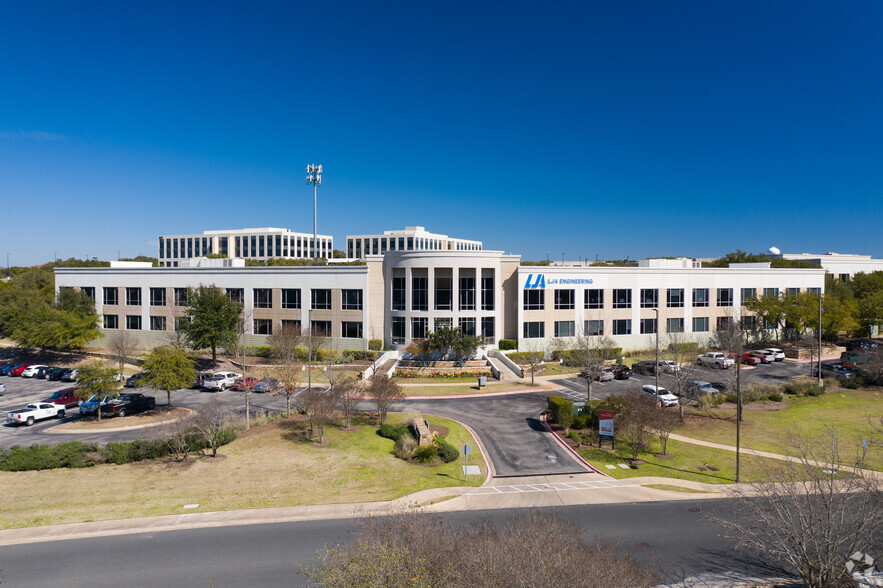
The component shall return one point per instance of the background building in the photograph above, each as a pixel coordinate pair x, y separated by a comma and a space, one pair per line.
260, 243
410, 239
840, 265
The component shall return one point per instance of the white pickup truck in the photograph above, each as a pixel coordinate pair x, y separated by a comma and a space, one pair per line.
35, 412
715, 359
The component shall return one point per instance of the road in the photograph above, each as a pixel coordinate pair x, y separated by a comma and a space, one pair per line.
676, 534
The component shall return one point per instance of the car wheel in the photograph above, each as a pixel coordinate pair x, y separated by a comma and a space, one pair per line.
30, 421
60, 414
151, 406
122, 412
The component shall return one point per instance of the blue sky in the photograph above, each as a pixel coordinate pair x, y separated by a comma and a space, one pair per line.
577, 128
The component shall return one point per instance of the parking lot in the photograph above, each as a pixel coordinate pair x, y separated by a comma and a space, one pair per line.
574, 388
21, 391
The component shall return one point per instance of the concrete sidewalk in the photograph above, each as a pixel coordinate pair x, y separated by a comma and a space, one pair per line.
526, 492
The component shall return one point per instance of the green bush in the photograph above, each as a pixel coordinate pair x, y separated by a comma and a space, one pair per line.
586, 420
521, 357
853, 384
258, 351
72, 454
447, 452
393, 432
775, 396
375, 344
506, 344
808, 387
684, 347
560, 410
425, 453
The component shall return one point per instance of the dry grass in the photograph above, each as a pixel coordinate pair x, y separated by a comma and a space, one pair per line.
269, 466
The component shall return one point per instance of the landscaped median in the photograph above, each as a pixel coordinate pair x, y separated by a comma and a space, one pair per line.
272, 465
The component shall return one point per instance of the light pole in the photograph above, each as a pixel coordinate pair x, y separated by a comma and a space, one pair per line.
8, 273
314, 177
309, 351
820, 342
656, 371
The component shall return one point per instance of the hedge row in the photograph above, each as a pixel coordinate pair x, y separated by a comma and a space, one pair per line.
77, 454
560, 410
321, 355
506, 344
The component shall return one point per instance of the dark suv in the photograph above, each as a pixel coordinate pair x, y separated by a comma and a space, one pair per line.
645, 367
130, 403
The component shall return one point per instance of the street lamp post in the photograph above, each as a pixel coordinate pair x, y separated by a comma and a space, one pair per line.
819, 374
314, 177
656, 371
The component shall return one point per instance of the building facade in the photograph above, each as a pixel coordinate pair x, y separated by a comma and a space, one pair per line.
840, 265
401, 295
259, 243
410, 239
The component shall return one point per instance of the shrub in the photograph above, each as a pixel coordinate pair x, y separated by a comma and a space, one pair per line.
775, 396
704, 401
853, 384
560, 410
258, 350
506, 344
425, 453
586, 420
405, 447
447, 452
808, 387
393, 432
72, 454
375, 344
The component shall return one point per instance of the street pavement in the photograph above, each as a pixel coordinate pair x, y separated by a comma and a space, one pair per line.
677, 536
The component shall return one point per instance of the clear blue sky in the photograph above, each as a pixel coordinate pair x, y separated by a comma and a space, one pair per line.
586, 128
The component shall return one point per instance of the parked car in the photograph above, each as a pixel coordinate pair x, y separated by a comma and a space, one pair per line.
90, 407
67, 398
70, 375
722, 387
18, 370
668, 366
33, 412
128, 403
220, 381
748, 358
598, 372
777, 353
666, 398
621, 372
200, 378
31, 370
6, 367
267, 385
2, 388
696, 388
644, 367
55, 374
834, 370
715, 359
134, 381
241, 383
765, 355
43, 372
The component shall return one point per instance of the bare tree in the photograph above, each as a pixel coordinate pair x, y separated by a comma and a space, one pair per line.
664, 423
210, 424
681, 351
590, 353
809, 515
122, 346
319, 407
348, 395
240, 352
317, 339
384, 393
637, 421
289, 381
534, 356
284, 343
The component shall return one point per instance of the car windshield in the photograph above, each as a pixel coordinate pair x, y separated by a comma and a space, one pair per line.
57, 395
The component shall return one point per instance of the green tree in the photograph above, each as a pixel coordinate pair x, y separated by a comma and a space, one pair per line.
870, 310
838, 315
449, 340
770, 309
97, 378
211, 319
168, 369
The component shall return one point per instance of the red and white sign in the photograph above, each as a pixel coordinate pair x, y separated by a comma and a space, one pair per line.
605, 424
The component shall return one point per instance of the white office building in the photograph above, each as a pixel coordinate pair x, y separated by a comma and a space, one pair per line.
409, 239
258, 243
840, 265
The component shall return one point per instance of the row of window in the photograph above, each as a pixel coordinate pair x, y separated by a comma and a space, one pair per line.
420, 327
348, 329
246, 246
444, 293
379, 245
537, 329
649, 297
320, 298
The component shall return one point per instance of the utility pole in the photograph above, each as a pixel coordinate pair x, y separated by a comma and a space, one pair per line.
314, 176
738, 411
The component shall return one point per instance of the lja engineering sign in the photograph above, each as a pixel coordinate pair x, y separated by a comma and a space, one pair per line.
605, 426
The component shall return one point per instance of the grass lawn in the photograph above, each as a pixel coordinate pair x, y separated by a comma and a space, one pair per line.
268, 466
684, 463
767, 430
428, 390
552, 369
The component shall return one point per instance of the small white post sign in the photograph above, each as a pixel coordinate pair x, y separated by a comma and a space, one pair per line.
466, 450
